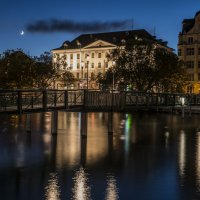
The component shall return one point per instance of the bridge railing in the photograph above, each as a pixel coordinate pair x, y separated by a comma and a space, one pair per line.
30, 100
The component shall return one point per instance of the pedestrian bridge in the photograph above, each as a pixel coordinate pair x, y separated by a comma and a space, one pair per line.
26, 101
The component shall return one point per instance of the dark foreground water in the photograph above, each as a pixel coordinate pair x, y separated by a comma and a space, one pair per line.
149, 157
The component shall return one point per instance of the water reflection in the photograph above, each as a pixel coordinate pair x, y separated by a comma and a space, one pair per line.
198, 161
52, 190
140, 161
111, 190
81, 189
182, 153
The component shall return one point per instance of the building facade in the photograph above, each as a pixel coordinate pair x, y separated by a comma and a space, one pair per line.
87, 55
189, 51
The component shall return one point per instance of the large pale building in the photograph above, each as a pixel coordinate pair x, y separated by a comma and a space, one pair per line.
86, 55
189, 51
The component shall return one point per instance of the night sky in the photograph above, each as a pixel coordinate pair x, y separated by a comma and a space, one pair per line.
47, 24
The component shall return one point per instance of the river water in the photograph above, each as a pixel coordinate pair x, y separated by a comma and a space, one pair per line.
149, 157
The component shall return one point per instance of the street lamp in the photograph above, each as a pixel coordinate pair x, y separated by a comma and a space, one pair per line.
113, 81
87, 58
82, 64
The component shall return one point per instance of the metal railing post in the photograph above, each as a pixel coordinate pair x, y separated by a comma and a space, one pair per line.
19, 102
44, 100
66, 99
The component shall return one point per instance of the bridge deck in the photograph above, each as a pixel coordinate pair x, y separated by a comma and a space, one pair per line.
23, 101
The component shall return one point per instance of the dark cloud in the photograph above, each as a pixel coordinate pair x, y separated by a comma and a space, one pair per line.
76, 27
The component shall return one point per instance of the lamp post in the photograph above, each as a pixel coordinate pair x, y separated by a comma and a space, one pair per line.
82, 64
113, 78
87, 58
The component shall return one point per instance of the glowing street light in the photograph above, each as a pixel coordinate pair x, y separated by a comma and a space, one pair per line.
113, 81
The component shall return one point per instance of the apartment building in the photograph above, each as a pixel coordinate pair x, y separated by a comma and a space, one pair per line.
189, 51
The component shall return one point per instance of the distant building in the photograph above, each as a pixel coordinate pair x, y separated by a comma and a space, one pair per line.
86, 55
189, 51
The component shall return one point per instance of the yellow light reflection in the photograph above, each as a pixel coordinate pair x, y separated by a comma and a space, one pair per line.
198, 161
182, 153
111, 190
52, 190
81, 189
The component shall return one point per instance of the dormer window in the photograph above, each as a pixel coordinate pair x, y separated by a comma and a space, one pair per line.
65, 45
123, 41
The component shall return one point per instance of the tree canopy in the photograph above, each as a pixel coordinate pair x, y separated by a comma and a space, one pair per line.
144, 66
18, 70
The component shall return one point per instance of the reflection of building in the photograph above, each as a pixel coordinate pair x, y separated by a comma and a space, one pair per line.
86, 55
189, 51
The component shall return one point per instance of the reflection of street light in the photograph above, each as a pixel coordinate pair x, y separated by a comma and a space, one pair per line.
183, 104
113, 81
87, 58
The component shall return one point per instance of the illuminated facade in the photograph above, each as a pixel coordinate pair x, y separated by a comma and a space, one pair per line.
189, 51
86, 55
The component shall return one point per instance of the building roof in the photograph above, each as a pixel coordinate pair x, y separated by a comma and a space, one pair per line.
189, 23
114, 38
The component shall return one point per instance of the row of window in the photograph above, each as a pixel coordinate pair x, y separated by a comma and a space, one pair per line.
190, 40
99, 55
189, 52
190, 77
190, 64
90, 66
78, 75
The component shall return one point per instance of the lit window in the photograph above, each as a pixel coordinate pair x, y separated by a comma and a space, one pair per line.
99, 65
190, 64
190, 51
190, 77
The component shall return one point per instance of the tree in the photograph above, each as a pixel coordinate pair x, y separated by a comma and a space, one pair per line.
67, 78
45, 73
143, 65
19, 70
105, 80
16, 70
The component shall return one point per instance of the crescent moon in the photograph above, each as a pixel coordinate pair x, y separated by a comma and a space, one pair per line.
22, 32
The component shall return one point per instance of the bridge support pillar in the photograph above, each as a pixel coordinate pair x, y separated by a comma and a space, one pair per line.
110, 122
54, 122
84, 124
28, 123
